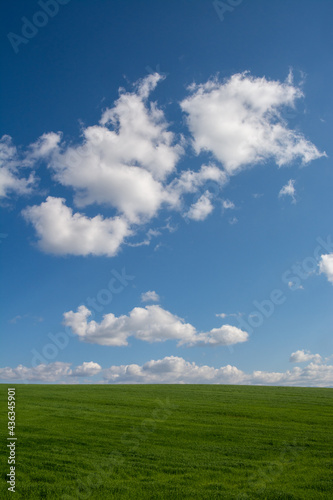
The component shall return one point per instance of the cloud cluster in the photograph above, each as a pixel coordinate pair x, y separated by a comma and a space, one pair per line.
127, 162
150, 324
176, 370
240, 122
172, 370
124, 163
52, 372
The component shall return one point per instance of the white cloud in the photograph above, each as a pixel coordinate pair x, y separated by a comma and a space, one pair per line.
128, 161
151, 324
240, 122
87, 369
44, 146
172, 370
11, 174
233, 220
44, 373
150, 296
226, 335
52, 372
303, 356
288, 190
190, 181
326, 266
124, 161
201, 208
313, 375
62, 232
228, 205
175, 370
294, 286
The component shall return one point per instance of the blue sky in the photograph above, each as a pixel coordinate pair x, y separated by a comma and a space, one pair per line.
206, 178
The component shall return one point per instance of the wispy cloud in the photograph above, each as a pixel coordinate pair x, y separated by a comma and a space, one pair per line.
15, 176
288, 190
228, 205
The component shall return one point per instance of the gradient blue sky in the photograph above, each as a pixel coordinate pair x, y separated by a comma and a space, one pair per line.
63, 79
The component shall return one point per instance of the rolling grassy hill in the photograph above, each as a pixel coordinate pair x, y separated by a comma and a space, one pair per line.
170, 442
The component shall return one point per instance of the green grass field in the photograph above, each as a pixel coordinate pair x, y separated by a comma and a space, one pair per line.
170, 442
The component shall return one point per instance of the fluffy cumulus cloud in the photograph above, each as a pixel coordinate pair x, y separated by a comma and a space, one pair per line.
60, 231
326, 266
150, 324
43, 147
225, 335
51, 372
13, 176
288, 190
201, 208
87, 369
240, 122
175, 370
302, 356
127, 162
150, 296
121, 162
124, 162
172, 370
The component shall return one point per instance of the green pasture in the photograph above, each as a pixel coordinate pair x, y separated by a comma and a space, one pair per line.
169, 442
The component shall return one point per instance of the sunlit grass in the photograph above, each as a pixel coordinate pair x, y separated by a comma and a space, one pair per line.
170, 442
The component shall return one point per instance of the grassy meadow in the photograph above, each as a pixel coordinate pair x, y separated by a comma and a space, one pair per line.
169, 442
